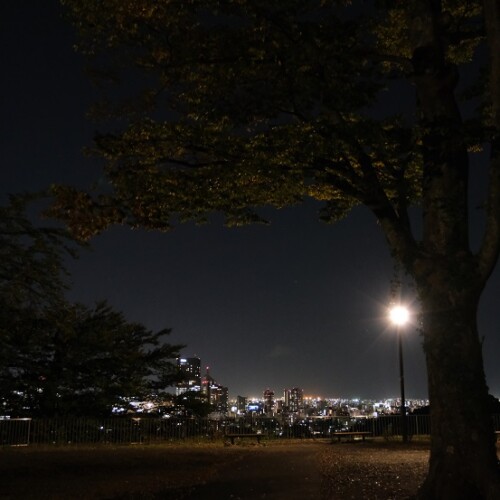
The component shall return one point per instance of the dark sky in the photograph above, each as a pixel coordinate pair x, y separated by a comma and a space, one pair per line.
298, 303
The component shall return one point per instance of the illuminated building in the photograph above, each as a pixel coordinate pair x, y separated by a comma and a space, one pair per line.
241, 404
294, 399
217, 395
268, 402
190, 369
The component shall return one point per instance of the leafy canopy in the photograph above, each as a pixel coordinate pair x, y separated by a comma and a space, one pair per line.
234, 105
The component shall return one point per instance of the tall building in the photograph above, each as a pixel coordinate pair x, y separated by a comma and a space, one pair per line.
268, 402
217, 395
190, 370
241, 404
294, 399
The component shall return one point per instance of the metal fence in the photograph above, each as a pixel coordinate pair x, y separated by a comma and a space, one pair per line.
67, 431
15, 431
71, 431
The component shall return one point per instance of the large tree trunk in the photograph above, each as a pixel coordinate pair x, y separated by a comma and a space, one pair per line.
463, 462
449, 278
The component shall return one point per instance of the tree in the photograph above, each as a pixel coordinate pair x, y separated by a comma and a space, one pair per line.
194, 403
242, 104
31, 283
31, 259
58, 358
85, 362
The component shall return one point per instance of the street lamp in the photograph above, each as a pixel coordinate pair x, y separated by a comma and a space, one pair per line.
399, 316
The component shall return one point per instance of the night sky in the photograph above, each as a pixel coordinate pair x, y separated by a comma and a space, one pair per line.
297, 303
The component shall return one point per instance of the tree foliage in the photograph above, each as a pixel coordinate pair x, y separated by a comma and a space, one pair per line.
58, 358
244, 105
32, 271
194, 403
84, 361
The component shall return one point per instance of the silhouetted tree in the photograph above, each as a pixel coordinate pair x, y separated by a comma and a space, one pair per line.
60, 358
244, 103
32, 274
31, 283
194, 403
91, 360
494, 405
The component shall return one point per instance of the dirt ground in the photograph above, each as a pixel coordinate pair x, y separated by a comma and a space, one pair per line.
128, 472
292, 470
374, 471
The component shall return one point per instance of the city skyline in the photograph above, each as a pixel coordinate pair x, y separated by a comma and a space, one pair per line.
257, 394
195, 379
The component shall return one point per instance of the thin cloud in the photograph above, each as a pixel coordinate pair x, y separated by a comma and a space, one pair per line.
280, 351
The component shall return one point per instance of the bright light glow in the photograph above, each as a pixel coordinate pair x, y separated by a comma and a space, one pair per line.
399, 315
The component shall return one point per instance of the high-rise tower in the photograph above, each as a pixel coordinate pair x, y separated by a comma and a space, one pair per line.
190, 369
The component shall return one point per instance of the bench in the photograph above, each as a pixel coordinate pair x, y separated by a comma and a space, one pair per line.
232, 437
350, 435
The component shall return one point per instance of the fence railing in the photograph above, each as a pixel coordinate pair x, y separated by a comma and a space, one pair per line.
68, 431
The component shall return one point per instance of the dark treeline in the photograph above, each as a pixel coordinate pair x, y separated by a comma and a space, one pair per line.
61, 358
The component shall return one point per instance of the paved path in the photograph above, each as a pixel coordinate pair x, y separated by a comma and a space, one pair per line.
277, 472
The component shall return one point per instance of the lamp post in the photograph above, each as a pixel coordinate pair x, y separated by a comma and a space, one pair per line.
399, 316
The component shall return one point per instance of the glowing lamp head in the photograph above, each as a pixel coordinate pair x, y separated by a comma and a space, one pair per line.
399, 315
